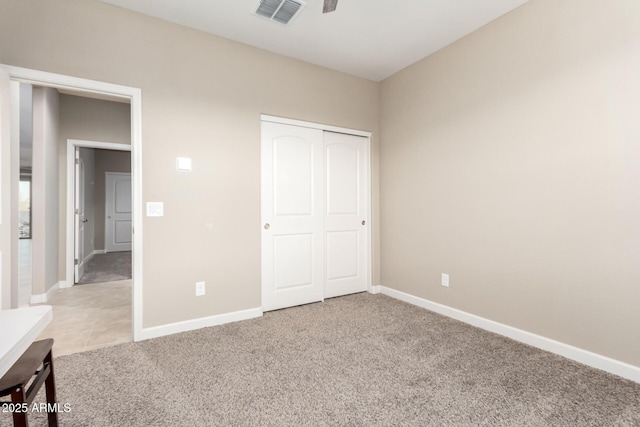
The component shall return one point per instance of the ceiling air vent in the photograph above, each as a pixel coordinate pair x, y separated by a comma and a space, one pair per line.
282, 11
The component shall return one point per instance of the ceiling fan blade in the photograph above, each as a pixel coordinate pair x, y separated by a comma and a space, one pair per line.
329, 6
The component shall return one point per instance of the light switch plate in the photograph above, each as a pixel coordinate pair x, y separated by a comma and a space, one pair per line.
183, 163
445, 280
155, 209
200, 289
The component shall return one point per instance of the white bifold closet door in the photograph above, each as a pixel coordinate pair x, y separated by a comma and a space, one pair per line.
314, 215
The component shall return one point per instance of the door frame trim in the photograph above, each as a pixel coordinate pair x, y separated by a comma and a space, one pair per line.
337, 129
134, 96
329, 128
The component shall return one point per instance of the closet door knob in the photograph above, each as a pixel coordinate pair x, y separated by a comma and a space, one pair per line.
267, 226
364, 222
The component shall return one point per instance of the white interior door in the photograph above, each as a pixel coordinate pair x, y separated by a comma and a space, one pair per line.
292, 243
314, 212
117, 234
79, 219
346, 214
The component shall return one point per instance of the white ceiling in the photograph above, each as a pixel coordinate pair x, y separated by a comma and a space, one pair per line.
367, 38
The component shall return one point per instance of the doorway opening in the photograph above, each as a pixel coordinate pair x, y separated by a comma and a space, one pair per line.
100, 210
12, 78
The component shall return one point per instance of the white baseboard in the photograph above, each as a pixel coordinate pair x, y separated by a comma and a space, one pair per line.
42, 298
204, 322
376, 289
64, 284
585, 357
94, 252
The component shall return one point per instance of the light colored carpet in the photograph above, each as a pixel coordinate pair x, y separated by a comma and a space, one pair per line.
109, 267
361, 360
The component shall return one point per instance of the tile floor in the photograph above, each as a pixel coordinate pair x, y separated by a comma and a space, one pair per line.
86, 317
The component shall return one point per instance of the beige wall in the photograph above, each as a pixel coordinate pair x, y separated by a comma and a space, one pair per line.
87, 119
202, 97
510, 161
106, 161
94, 120
44, 181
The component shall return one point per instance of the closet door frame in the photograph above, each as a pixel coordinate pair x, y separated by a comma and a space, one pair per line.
365, 134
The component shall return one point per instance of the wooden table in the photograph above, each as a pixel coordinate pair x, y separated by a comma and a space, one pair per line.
19, 328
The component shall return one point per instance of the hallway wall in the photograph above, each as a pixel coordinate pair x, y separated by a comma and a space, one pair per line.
44, 189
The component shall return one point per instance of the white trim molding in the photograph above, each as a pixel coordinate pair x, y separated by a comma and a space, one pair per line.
302, 123
42, 298
585, 357
204, 322
64, 284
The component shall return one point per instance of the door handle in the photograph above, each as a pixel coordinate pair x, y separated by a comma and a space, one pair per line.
364, 222
85, 220
267, 226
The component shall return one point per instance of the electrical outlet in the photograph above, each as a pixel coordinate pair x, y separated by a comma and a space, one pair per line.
445, 280
200, 287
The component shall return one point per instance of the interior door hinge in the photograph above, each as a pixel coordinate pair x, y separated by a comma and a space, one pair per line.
75, 262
